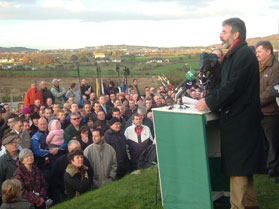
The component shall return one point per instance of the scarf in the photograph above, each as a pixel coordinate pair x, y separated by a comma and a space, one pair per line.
232, 46
265, 63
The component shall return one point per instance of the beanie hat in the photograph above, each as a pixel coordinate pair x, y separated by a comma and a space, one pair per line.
26, 110
114, 120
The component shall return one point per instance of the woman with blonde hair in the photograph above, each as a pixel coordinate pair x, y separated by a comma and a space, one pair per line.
11, 196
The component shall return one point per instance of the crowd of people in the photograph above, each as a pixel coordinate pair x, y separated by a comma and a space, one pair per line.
59, 144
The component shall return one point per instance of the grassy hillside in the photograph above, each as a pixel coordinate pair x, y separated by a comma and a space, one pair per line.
138, 192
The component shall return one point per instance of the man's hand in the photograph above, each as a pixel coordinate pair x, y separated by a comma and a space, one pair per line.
201, 105
54, 151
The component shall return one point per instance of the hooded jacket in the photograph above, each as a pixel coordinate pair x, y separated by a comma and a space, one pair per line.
56, 134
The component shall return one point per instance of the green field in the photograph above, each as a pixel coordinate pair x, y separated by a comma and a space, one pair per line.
138, 192
177, 66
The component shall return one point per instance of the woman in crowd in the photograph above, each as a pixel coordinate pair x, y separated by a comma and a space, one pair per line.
11, 196
76, 179
34, 184
84, 137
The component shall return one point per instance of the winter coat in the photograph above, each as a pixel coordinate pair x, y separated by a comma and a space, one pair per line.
70, 133
76, 180
118, 141
102, 159
59, 168
31, 95
146, 121
7, 167
25, 139
240, 121
47, 94
18, 204
33, 183
85, 88
267, 78
56, 134
136, 148
58, 93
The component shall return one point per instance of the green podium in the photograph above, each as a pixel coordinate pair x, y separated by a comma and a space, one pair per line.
189, 158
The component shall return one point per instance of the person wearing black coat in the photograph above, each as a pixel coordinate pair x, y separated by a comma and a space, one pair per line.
238, 98
58, 171
76, 178
45, 92
115, 137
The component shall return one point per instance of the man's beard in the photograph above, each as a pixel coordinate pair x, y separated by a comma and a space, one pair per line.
227, 44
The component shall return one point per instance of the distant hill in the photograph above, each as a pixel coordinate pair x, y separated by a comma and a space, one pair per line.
253, 41
15, 49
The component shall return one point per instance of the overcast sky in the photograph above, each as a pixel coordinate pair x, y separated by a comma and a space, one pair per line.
57, 24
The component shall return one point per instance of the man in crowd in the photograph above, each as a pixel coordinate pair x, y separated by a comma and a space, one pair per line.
24, 136
115, 138
135, 87
8, 162
58, 92
86, 89
72, 131
61, 115
102, 159
32, 94
240, 124
142, 110
74, 92
45, 92
138, 139
105, 108
269, 70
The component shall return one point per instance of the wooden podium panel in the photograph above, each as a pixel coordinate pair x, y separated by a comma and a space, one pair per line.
188, 148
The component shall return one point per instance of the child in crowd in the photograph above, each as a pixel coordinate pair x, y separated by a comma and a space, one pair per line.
55, 137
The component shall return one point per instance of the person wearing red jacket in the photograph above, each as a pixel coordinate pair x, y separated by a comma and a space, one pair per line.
32, 94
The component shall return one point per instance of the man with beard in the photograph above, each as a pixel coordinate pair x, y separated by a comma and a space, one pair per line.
240, 122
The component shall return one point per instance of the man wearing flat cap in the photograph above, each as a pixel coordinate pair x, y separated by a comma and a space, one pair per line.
58, 92
115, 138
8, 161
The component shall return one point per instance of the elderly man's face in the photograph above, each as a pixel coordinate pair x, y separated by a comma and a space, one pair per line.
227, 37
12, 146
42, 125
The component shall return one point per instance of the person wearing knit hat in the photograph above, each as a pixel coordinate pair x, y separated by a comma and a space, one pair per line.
26, 110
115, 137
